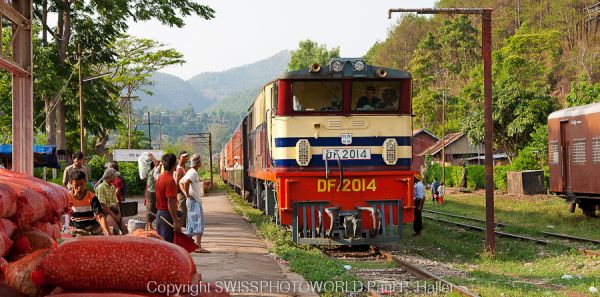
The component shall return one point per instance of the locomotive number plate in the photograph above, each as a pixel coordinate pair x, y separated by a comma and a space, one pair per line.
347, 154
347, 185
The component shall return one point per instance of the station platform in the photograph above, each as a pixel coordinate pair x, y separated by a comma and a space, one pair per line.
237, 256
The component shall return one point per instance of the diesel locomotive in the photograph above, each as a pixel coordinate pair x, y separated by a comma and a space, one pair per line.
327, 151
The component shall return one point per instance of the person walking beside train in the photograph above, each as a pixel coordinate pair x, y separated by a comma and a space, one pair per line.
178, 175
166, 200
193, 190
78, 160
419, 193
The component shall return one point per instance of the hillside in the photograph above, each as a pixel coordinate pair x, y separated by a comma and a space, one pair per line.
238, 102
171, 92
220, 85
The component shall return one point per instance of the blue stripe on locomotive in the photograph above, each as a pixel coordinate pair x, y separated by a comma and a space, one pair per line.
317, 160
337, 141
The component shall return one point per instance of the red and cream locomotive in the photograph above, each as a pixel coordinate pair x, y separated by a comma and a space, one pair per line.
327, 151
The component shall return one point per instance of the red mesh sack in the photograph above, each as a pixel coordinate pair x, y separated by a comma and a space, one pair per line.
3, 265
10, 173
19, 274
57, 197
27, 241
8, 201
145, 233
31, 206
7, 226
116, 263
53, 230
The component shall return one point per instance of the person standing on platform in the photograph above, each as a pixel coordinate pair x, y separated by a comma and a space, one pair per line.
78, 160
193, 189
419, 193
150, 193
166, 200
178, 175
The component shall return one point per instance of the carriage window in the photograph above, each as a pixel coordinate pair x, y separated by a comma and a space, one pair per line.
317, 96
375, 95
553, 150
596, 150
579, 151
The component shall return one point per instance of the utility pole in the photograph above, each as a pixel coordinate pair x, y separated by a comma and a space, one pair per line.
149, 131
486, 32
159, 131
128, 122
81, 143
443, 136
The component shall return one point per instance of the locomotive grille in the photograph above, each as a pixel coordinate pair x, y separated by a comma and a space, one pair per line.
596, 150
389, 151
303, 154
579, 151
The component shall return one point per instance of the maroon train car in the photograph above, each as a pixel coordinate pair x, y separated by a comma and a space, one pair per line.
574, 156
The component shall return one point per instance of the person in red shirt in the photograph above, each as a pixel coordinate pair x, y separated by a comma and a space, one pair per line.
166, 199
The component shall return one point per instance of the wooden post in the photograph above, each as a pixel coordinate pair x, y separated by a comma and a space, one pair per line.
21, 68
81, 135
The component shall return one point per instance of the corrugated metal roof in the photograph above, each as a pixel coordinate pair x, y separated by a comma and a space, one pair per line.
418, 131
448, 140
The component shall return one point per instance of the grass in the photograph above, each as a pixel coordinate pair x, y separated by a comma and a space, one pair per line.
518, 268
304, 260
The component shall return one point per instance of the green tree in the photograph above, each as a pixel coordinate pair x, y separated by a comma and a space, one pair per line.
137, 59
95, 25
310, 52
522, 73
583, 92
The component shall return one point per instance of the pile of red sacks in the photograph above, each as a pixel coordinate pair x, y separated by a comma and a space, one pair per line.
30, 210
32, 263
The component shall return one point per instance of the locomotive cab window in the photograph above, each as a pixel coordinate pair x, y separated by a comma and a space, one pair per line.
375, 96
317, 96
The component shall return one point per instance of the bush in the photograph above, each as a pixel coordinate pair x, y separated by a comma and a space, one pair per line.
96, 165
475, 176
129, 173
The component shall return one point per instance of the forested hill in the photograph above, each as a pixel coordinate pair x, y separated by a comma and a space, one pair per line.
171, 92
546, 57
219, 85
230, 90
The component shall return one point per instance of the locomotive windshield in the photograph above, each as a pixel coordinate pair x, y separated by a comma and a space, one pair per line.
316, 96
375, 96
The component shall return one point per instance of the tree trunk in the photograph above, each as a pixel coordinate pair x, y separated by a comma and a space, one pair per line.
50, 121
63, 43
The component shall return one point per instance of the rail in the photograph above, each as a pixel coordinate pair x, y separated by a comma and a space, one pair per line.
504, 234
498, 224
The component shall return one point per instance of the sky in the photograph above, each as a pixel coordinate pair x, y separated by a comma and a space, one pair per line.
244, 32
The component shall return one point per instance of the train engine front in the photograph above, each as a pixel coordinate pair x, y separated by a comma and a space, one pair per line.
338, 168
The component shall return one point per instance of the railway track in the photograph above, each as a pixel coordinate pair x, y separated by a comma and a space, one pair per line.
405, 277
505, 234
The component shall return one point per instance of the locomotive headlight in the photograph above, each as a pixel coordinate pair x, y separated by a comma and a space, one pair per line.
303, 153
337, 66
359, 65
388, 151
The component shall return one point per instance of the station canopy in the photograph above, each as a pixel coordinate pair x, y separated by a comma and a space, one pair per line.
43, 155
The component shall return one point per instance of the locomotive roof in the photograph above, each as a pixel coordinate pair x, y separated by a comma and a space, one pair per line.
576, 111
348, 70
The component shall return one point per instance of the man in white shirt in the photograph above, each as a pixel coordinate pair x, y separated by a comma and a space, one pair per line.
193, 189
419, 192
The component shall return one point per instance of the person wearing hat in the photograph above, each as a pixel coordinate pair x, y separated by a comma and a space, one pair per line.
369, 101
419, 193
193, 190
180, 171
107, 195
